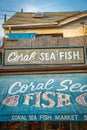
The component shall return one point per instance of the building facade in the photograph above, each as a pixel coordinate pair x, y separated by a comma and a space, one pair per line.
44, 72
55, 24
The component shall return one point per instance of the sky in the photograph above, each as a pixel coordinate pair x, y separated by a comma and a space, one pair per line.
9, 7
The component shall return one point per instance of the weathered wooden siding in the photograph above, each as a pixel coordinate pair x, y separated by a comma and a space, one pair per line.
45, 42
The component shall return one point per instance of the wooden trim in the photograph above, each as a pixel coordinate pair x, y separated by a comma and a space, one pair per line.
0, 50
45, 69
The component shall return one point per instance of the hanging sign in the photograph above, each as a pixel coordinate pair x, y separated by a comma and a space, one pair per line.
46, 56
43, 97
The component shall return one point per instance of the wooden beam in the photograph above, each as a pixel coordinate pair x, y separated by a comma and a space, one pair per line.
44, 69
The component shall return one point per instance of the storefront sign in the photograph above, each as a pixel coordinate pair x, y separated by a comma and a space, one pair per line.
46, 56
48, 117
43, 97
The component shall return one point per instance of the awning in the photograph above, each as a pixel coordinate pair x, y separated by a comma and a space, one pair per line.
20, 35
43, 97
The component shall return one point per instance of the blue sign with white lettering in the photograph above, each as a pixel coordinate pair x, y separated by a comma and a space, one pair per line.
43, 97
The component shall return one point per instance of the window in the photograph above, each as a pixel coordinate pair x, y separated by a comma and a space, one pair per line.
48, 35
57, 125
50, 125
